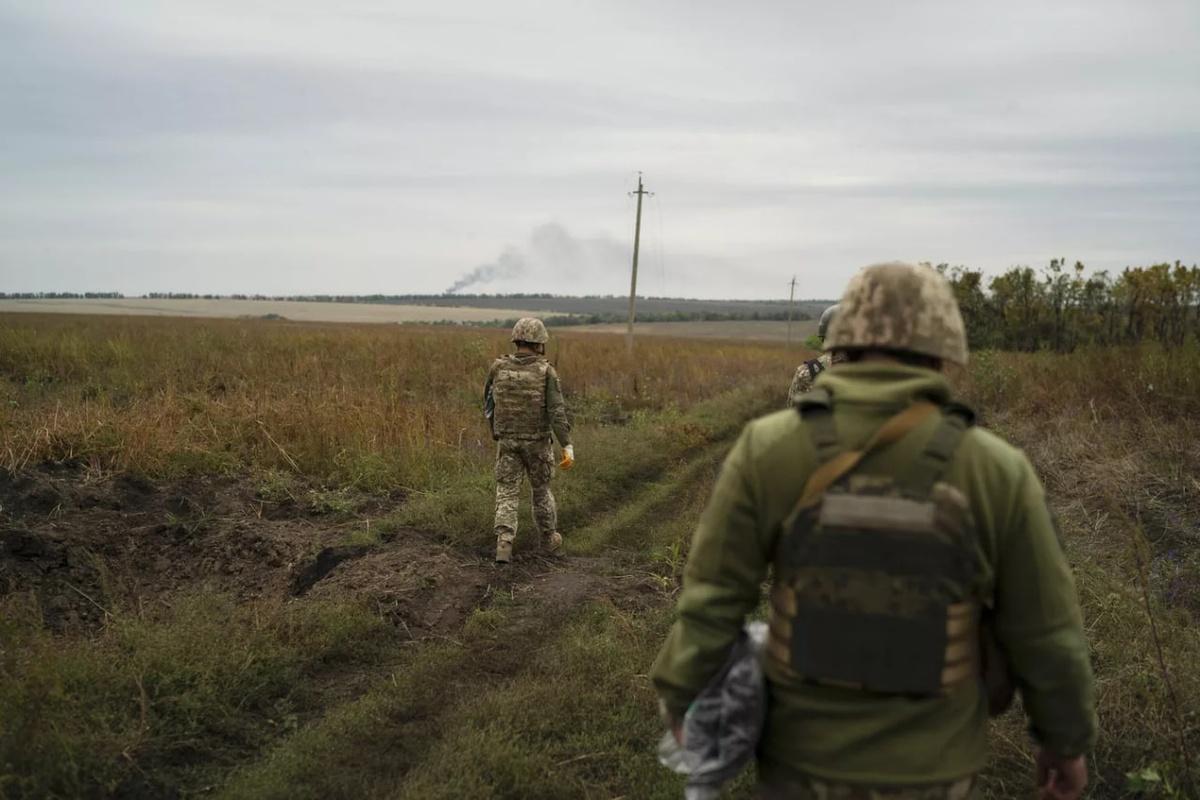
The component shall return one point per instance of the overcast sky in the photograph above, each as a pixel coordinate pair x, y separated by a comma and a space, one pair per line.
296, 146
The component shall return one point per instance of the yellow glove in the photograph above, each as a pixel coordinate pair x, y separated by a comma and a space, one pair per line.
568, 458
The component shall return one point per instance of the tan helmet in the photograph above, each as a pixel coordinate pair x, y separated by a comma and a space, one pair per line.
530, 329
898, 306
826, 318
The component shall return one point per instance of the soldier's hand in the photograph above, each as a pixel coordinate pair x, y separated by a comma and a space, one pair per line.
568, 457
1060, 778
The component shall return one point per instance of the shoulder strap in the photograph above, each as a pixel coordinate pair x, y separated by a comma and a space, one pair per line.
816, 410
935, 456
891, 431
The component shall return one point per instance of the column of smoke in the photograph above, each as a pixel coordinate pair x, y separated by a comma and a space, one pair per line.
551, 255
510, 264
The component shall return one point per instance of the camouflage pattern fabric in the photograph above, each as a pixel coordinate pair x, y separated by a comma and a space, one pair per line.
514, 460
803, 380
528, 401
812, 789
899, 306
530, 329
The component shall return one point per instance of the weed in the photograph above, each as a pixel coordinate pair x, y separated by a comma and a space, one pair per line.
332, 501
277, 486
367, 536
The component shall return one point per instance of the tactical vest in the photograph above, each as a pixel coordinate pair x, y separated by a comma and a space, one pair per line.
519, 392
875, 584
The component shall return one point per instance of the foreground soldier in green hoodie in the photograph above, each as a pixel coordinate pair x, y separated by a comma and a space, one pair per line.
892, 529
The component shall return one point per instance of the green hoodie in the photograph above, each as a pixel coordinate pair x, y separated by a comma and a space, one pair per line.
848, 736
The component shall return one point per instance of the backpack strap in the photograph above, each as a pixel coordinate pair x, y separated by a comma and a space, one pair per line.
930, 465
895, 429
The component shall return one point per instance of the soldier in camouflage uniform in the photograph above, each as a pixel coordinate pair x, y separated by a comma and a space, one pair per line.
524, 404
806, 373
911, 553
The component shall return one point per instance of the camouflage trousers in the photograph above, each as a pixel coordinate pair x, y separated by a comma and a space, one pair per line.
812, 789
514, 460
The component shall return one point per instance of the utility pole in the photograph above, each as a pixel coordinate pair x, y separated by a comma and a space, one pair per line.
637, 235
791, 305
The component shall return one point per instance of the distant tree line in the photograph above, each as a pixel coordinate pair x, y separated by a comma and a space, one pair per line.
61, 296
1062, 307
1057, 307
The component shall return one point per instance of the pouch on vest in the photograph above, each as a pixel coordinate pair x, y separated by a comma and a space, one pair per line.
875, 573
519, 392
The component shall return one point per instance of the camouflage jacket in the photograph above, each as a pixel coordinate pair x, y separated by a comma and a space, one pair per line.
523, 400
840, 734
806, 375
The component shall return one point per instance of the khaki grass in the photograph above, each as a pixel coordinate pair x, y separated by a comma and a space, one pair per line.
365, 406
211, 693
732, 330
1112, 434
178, 698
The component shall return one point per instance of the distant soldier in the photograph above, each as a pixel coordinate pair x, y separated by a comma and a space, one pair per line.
524, 404
911, 553
807, 372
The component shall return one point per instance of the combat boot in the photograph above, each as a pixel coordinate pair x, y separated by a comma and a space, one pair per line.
552, 544
503, 551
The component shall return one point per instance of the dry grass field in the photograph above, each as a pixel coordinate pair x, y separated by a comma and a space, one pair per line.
742, 330
250, 559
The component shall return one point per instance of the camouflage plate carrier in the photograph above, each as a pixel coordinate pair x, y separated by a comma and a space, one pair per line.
519, 396
877, 575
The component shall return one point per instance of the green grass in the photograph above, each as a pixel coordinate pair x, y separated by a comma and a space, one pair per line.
163, 699
530, 699
224, 683
1111, 433
574, 723
613, 462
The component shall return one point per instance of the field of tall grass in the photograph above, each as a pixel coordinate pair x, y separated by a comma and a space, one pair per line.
1115, 436
173, 693
203, 694
372, 407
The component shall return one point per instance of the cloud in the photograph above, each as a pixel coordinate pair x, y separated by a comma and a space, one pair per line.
276, 147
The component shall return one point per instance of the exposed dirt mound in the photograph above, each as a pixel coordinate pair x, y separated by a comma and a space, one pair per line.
430, 589
88, 546
425, 587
